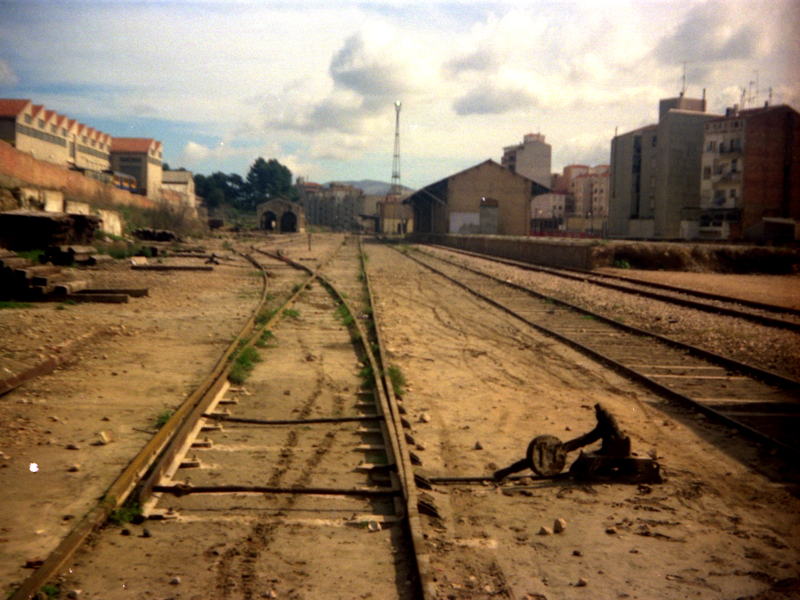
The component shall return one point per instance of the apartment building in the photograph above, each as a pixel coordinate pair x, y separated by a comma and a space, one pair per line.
590, 192
532, 159
750, 178
654, 185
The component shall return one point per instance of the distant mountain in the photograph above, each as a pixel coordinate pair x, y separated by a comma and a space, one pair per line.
371, 187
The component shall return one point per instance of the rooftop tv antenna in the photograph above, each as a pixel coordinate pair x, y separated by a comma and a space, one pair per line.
683, 86
395, 191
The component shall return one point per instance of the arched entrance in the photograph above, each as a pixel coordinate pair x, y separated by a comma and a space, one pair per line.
280, 215
269, 221
289, 222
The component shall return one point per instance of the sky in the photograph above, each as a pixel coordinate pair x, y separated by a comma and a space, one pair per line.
314, 84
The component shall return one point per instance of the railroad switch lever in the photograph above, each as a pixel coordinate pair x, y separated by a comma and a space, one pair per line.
547, 455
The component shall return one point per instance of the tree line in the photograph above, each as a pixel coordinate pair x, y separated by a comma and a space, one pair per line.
266, 179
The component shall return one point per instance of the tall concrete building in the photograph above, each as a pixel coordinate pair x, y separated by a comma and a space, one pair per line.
532, 159
750, 181
654, 187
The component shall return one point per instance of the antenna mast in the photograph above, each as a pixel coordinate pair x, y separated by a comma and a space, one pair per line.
395, 191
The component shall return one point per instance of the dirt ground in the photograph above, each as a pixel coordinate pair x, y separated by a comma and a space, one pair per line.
724, 525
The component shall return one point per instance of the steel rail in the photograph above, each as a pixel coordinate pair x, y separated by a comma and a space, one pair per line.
414, 522
185, 490
125, 483
397, 449
764, 375
597, 279
624, 369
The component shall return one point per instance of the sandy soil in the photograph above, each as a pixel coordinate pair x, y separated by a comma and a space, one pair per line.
724, 525
480, 388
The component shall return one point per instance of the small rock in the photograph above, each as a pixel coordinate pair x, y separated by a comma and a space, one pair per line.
175, 581
421, 446
73, 447
287, 392
126, 531
582, 582
559, 525
577, 553
611, 530
74, 468
478, 446
73, 594
545, 531
424, 418
146, 533
103, 438
106, 419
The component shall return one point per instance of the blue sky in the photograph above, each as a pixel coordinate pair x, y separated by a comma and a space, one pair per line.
313, 84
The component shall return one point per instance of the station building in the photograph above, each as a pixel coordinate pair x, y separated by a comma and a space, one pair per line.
486, 198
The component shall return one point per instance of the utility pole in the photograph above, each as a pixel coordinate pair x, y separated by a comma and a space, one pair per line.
395, 191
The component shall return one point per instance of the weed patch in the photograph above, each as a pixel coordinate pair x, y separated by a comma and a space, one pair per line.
14, 304
397, 379
162, 418
244, 363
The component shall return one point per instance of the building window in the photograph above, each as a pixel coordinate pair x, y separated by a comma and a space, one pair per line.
64, 131
733, 166
28, 119
706, 172
712, 146
655, 141
732, 194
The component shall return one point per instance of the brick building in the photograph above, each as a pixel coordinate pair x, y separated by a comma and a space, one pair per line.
750, 179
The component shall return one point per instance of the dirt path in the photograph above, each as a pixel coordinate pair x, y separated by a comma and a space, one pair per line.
481, 387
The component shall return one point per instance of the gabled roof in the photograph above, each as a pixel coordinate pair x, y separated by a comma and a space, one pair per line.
37, 108
428, 189
135, 145
11, 107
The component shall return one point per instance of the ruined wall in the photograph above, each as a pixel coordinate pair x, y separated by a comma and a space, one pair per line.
18, 169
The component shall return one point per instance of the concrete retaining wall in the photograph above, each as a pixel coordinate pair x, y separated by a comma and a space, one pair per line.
586, 255
570, 253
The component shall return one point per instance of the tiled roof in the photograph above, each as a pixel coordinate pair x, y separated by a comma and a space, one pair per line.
139, 145
11, 107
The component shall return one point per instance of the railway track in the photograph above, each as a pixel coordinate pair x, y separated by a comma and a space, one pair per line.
295, 481
757, 312
759, 403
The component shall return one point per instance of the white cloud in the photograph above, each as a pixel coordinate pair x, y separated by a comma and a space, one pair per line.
316, 84
7, 76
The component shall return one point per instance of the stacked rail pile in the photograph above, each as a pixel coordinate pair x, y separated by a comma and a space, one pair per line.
23, 279
25, 230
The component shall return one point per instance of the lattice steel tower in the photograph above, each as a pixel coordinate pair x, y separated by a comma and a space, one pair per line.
394, 193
